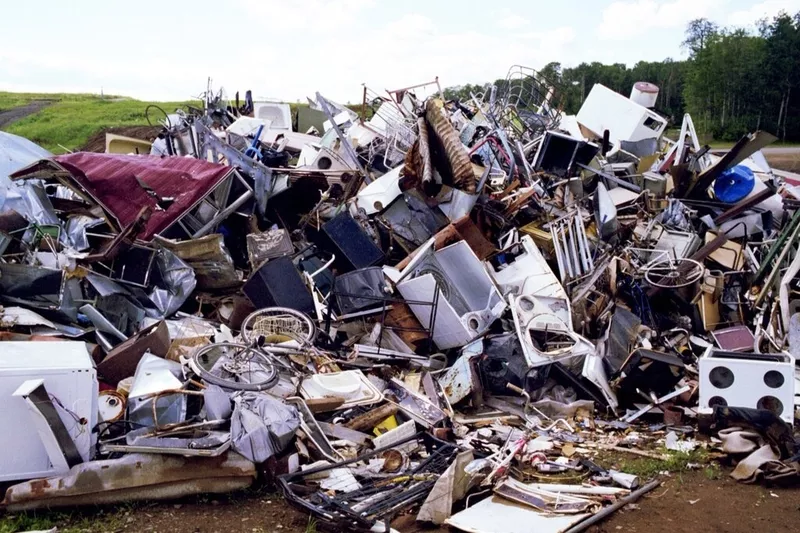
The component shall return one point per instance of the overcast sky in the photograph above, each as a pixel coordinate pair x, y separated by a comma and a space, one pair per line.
165, 50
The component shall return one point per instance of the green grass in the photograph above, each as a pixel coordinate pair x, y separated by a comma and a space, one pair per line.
311, 527
11, 100
73, 118
676, 463
720, 145
85, 521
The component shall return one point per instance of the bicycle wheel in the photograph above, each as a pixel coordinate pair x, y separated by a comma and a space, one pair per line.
674, 273
278, 324
235, 366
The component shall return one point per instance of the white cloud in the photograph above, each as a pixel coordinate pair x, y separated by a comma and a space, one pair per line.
512, 21
279, 16
289, 50
766, 9
405, 51
626, 19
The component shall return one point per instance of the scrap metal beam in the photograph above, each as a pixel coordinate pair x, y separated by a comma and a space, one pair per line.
747, 146
744, 205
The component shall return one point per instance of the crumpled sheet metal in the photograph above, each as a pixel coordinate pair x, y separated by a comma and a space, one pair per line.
499, 515
134, 477
155, 375
179, 279
17, 152
28, 200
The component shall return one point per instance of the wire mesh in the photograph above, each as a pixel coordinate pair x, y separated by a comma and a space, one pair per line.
525, 104
395, 125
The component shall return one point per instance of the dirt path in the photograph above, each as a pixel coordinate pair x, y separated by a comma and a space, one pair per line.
12, 115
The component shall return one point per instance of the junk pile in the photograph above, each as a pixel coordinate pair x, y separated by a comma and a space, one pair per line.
437, 307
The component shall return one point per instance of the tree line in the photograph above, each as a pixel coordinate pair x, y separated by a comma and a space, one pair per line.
732, 83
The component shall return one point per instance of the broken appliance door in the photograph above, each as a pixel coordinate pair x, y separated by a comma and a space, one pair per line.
540, 307
545, 331
156, 380
605, 212
672, 244
352, 386
454, 283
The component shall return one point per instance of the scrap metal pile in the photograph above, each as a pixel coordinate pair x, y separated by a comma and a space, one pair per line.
431, 307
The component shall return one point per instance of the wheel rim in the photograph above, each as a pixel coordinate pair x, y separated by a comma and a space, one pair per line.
235, 366
674, 273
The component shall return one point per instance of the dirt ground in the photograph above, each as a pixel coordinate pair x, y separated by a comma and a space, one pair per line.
690, 501
12, 115
97, 142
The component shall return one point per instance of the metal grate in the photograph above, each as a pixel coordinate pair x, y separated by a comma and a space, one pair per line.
359, 504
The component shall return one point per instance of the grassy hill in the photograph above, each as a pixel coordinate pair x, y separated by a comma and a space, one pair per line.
61, 122
68, 120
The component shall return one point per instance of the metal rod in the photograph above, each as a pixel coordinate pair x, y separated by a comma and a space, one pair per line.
583, 252
603, 513
622, 183
567, 257
586, 246
777, 246
222, 215
574, 250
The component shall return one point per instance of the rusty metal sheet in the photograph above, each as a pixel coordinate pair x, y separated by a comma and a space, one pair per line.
461, 380
123, 184
133, 477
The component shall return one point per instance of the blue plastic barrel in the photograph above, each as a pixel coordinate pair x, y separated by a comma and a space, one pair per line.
734, 184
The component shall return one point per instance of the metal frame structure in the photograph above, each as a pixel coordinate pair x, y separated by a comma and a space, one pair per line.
386, 301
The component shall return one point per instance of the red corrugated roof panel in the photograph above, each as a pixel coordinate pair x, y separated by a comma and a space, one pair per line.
113, 180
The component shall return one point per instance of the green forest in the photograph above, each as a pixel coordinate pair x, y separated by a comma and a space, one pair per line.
732, 83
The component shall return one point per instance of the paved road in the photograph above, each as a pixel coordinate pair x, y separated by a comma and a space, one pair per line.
781, 151
783, 157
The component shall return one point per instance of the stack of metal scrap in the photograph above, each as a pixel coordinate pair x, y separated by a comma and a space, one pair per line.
397, 308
